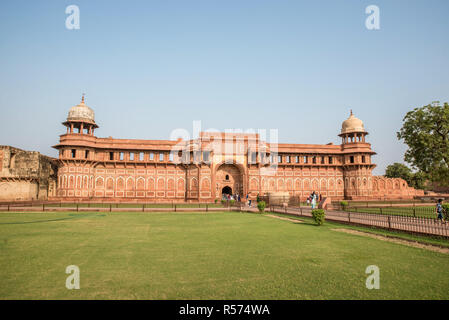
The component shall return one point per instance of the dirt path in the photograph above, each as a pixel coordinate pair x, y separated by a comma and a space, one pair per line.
285, 219
395, 240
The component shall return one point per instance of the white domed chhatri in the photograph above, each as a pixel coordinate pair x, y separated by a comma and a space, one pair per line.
352, 124
81, 119
81, 112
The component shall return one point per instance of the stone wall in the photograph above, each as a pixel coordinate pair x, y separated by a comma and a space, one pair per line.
299, 182
26, 175
393, 188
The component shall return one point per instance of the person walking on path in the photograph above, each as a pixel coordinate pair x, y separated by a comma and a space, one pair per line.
439, 210
313, 202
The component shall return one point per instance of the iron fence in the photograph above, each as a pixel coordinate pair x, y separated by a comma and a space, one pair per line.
104, 206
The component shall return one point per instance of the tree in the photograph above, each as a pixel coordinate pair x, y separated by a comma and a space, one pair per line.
419, 180
426, 132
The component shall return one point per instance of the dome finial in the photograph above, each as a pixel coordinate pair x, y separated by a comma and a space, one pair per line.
82, 98
352, 124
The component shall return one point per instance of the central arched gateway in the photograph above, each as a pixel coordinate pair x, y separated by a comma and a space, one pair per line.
229, 180
226, 190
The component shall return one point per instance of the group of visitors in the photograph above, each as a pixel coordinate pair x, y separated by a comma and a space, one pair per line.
235, 197
313, 198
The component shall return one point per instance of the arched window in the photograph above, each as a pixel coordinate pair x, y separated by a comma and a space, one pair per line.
227, 177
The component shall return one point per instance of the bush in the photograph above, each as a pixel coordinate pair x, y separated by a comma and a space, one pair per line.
261, 206
223, 202
216, 200
344, 204
318, 216
232, 202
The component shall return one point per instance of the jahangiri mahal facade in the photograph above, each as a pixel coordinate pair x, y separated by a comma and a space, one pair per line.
201, 170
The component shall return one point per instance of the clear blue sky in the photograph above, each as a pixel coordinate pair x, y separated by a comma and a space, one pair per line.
148, 67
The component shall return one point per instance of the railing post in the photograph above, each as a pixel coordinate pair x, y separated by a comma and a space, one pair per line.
207, 207
77, 207
110, 207
143, 208
389, 222
43, 207
8, 207
349, 216
175, 207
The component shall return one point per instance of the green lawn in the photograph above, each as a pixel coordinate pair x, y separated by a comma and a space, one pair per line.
224, 255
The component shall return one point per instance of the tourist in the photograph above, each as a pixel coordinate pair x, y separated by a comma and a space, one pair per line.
439, 210
308, 200
313, 202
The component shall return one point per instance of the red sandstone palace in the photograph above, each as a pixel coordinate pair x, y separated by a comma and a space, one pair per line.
203, 169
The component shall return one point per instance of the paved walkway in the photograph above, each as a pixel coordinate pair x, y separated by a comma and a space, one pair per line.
410, 224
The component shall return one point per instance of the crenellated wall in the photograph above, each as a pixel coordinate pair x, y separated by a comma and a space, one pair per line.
393, 188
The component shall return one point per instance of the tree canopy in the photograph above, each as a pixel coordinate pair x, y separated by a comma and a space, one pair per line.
426, 132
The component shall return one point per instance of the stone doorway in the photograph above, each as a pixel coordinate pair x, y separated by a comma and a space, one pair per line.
229, 180
226, 190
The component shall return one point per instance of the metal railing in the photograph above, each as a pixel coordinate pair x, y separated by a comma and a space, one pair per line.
113, 206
